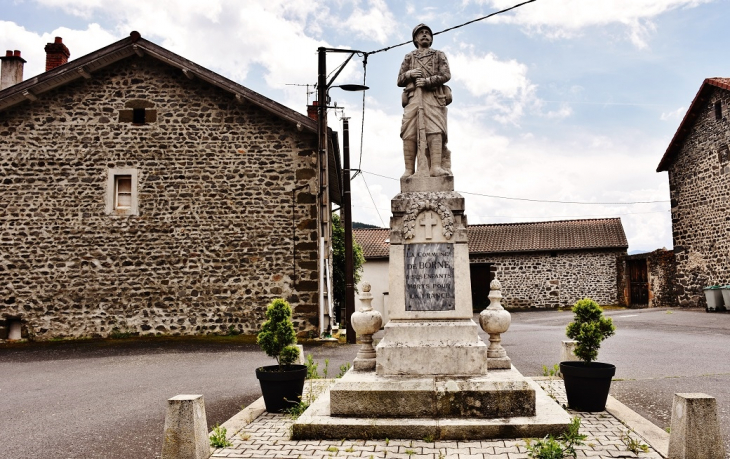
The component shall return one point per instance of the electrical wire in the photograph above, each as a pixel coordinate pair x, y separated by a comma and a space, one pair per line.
365, 63
540, 200
552, 216
373, 200
455, 27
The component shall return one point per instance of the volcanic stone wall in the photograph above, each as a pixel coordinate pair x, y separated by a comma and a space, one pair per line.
699, 184
661, 277
555, 279
212, 242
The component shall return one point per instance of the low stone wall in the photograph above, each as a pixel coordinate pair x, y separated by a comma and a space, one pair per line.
661, 278
555, 279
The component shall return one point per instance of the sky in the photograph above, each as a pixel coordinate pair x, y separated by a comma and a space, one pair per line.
562, 109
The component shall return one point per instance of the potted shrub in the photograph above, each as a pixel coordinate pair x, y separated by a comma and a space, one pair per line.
587, 382
281, 384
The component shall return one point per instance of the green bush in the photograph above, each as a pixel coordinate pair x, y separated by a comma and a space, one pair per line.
588, 329
277, 337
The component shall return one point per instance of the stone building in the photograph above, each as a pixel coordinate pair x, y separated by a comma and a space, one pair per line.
698, 164
142, 193
540, 265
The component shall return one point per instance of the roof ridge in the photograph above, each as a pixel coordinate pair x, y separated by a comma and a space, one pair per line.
547, 221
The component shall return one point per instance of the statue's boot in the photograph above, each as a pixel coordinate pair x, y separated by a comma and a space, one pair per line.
409, 154
446, 160
436, 155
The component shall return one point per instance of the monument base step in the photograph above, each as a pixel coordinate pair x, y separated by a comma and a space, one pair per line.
462, 360
496, 395
317, 423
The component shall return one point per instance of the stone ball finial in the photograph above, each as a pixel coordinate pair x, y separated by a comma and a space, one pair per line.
365, 286
495, 285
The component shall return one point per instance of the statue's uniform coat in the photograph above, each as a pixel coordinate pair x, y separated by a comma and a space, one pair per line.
436, 71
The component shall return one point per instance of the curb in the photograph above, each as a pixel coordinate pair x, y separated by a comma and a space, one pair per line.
244, 417
657, 438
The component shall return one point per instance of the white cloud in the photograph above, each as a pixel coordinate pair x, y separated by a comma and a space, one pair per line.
586, 166
376, 23
673, 115
567, 18
31, 44
276, 36
506, 92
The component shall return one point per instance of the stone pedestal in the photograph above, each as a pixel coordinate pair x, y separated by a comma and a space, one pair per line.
501, 404
430, 330
481, 396
432, 373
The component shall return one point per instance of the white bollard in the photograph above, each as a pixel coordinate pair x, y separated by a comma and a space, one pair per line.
186, 429
301, 360
695, 431
566, 351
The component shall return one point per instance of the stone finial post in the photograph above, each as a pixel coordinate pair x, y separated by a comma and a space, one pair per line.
186, 429
495, 320
695, 431
365, 322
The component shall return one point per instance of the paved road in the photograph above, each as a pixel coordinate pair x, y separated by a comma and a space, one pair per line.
657, 353
106, 399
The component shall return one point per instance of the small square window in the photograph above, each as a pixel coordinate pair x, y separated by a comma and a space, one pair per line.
124, 192
138, 116
121, 192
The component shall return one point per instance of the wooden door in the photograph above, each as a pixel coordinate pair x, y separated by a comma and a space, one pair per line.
638, 283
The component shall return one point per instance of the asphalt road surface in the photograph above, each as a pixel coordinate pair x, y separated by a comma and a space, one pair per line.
107, 399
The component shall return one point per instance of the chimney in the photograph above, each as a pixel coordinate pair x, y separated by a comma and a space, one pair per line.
56, 54
11, 70
312, 110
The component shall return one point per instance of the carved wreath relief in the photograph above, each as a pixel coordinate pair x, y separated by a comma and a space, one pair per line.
420, 203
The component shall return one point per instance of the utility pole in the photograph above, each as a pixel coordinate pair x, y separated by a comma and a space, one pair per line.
347, 208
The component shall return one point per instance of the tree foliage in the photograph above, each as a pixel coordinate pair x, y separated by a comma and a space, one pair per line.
589, 328
277, 337
338, 261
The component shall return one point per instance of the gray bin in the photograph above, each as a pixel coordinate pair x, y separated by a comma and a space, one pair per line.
713, 295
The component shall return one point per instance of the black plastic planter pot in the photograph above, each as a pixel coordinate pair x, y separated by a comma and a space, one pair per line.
281, 389
587, 384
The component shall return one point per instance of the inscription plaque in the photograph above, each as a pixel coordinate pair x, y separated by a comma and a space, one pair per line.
429, 270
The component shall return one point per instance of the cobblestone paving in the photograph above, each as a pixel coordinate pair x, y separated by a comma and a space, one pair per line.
269, 436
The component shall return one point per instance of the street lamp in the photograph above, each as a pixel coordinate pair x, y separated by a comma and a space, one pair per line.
322, 96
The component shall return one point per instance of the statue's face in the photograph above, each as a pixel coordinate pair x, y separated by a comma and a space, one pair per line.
424, 38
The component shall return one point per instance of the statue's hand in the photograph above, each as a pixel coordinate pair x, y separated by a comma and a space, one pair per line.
420, 82
415, 73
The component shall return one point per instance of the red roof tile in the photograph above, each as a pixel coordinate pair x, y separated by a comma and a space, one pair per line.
605, 233
373, 241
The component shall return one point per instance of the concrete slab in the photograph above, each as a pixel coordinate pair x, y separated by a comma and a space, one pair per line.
549, 418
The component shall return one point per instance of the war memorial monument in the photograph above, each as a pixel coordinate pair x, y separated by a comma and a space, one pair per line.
431, 375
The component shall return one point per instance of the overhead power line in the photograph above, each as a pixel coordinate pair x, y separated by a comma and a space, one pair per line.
510, 198
455, 27
538, 217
